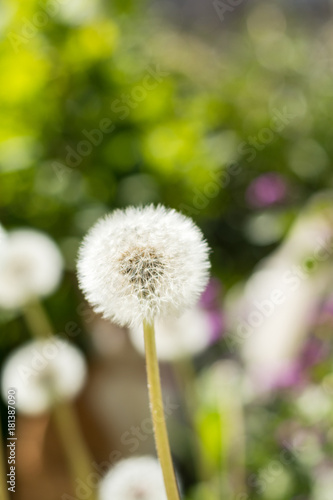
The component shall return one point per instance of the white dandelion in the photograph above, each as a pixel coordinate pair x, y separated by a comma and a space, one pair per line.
43, 372
134, 479
143, 263
30, 266
140, 265
178, 338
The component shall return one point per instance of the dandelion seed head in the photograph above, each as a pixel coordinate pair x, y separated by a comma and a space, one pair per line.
138, 478
43, 372
30, 266
143, 263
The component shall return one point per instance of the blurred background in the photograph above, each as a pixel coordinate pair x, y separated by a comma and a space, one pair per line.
221, 110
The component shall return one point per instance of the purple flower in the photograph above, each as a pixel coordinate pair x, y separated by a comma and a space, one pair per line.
313, 353
209, 297
295, 373
267, 189
210, 304
283, 377
326, 311
217, 322
289, 377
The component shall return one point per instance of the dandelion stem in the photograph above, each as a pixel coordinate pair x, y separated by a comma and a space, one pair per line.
157, 412
4, 495
77, 453
74, 446
37, 320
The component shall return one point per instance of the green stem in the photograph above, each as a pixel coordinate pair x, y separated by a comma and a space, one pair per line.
185, 376
75, 448
232, 418
157, 412
4, 494
37, 320
77, 453
237, 446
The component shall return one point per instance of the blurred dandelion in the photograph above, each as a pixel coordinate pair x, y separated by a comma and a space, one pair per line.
30, 266
178, 338
47, 373
44, 372
137, 478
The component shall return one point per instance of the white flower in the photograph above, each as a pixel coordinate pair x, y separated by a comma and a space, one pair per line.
177, 338
280, 300
143, 263
134, 479
30, 265
42, 372
279, 307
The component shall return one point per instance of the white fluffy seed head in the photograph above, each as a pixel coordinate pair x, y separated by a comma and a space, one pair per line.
30, 266
134, 479
143, 263
43, 372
